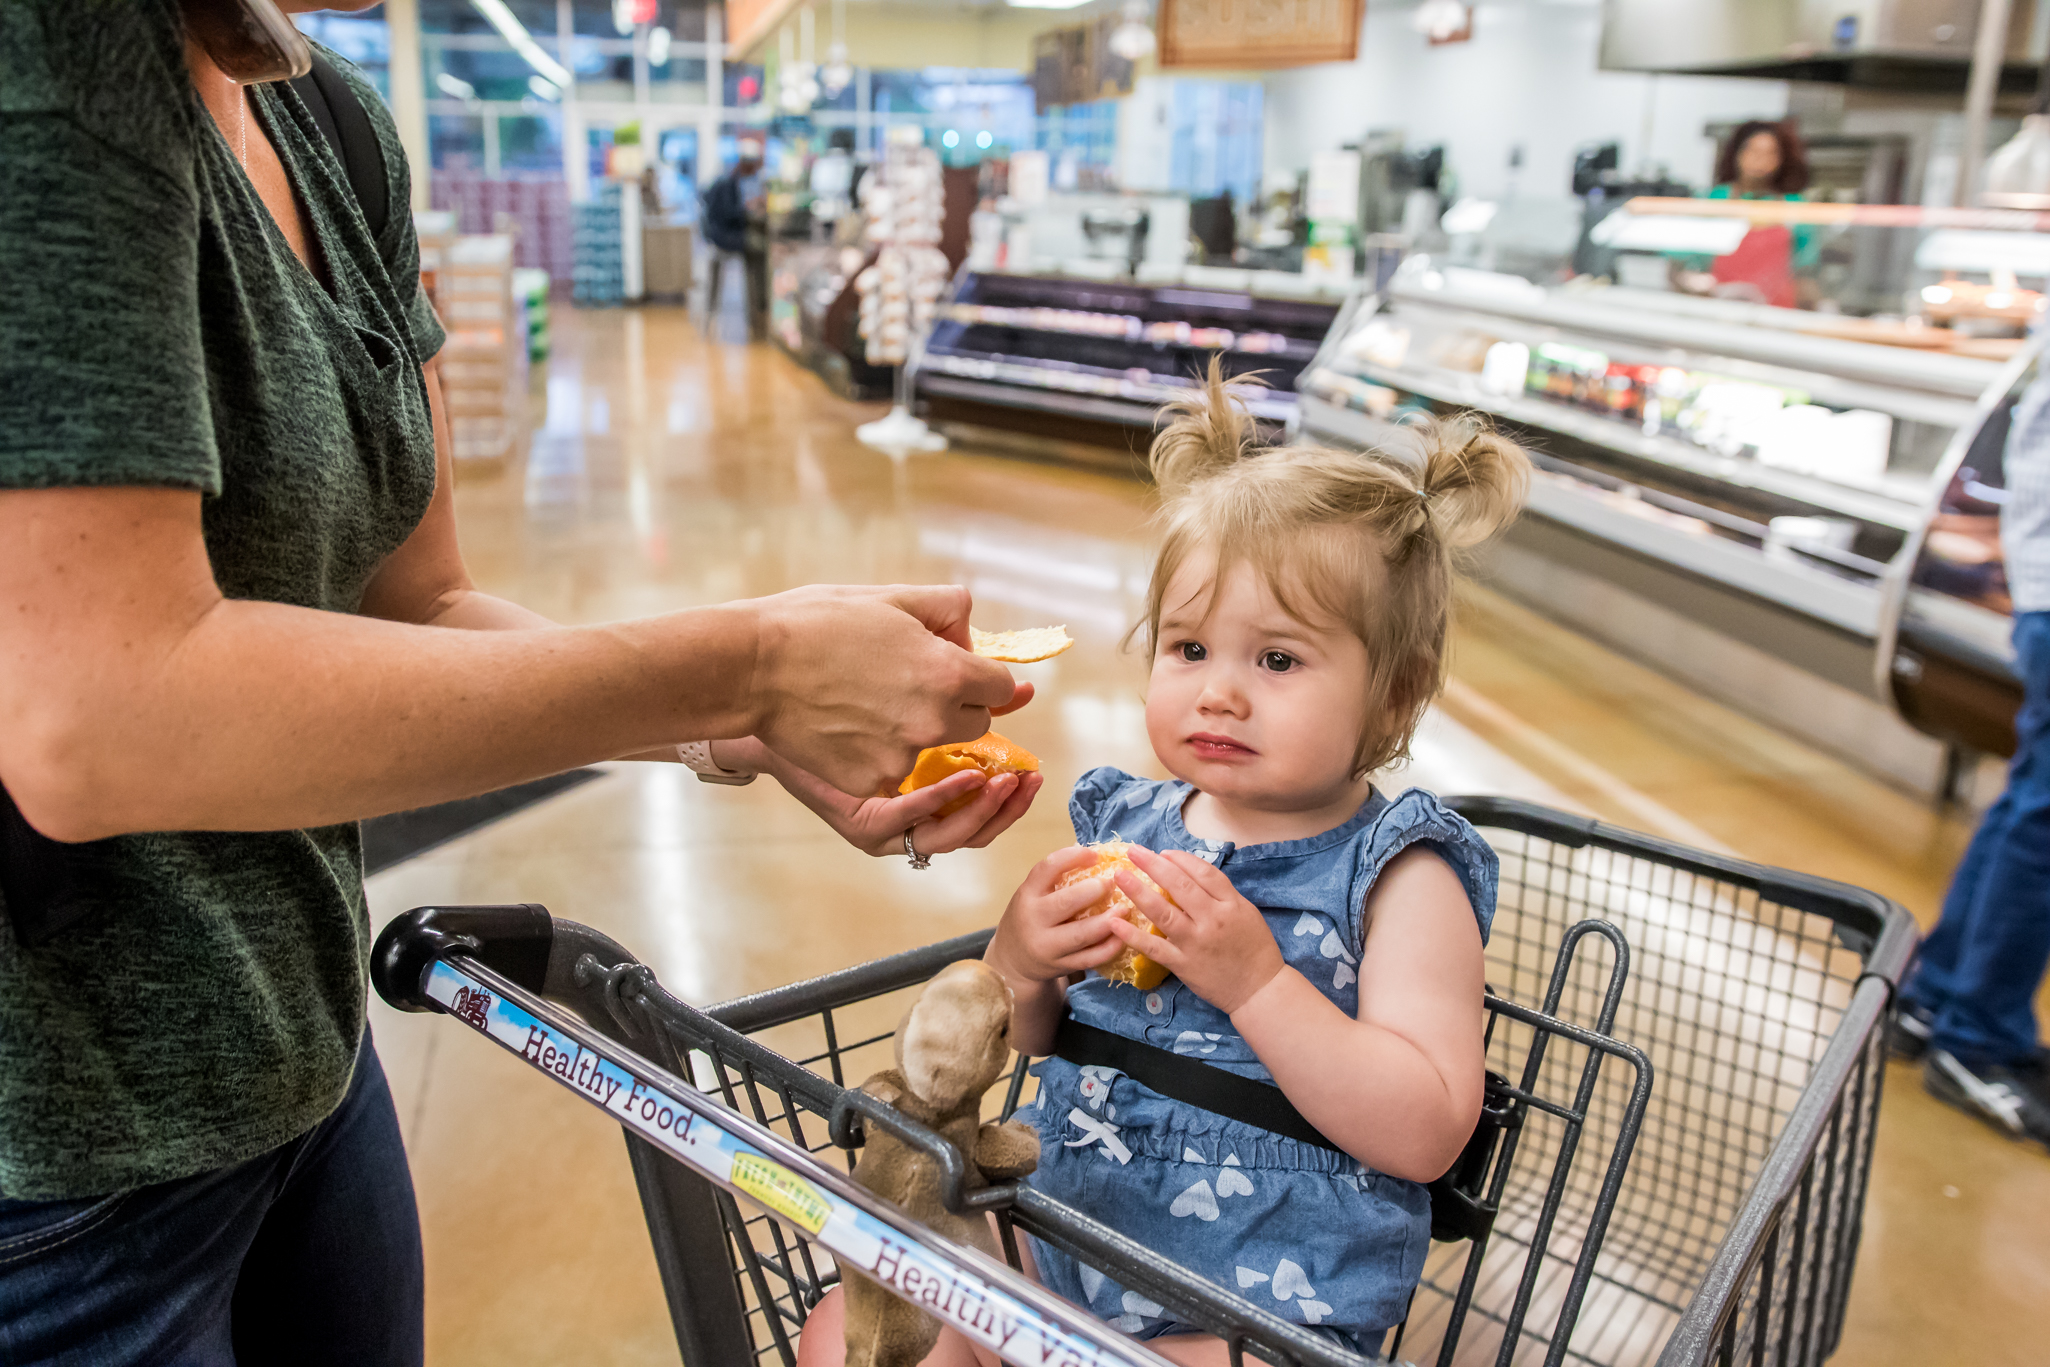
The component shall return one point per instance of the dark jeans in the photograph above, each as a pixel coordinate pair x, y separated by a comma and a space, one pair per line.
309, 1254
1980, 967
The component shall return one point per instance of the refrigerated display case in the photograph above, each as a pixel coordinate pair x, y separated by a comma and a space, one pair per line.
1091, 358
812, 315
1821, 487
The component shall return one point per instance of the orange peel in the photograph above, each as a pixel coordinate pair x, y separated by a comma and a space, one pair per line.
1029, 645
1130, 966
991, 753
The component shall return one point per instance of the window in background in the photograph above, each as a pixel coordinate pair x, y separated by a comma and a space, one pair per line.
1081, 142
366, 41
1217, 134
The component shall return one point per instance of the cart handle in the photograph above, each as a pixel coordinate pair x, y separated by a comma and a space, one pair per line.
440, 959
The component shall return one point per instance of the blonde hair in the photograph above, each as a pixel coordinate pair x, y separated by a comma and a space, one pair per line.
1368, 540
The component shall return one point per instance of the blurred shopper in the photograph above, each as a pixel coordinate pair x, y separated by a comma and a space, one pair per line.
1760, 160
234, 619
1968, 1009
736, 226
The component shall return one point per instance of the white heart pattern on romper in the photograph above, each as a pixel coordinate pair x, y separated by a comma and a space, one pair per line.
1092, 1281
1343, 976
1334, 948
1248, 1277
1189, 1155
1307, 924
1289, 1281
1198, 1201
1192, 1042
1232, 1182
1136, 1304
1313, 1311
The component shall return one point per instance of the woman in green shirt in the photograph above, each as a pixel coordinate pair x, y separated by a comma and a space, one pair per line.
1760, 160
234, 620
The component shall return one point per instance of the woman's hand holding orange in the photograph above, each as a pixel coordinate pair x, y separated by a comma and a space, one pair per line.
1210, 937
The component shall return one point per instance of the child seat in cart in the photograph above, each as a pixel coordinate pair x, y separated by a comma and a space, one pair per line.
1685, 1054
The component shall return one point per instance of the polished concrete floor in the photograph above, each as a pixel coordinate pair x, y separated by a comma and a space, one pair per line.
666, 472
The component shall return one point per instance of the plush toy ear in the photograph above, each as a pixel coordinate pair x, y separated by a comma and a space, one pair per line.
951, 1045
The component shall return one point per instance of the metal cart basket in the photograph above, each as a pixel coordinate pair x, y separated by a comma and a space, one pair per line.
1594, 1218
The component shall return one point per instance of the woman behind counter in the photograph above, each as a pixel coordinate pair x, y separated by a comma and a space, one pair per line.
1761, 160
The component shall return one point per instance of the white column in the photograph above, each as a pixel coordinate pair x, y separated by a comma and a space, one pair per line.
490, 143
576, 144
1989, 53
409, 93
715, 96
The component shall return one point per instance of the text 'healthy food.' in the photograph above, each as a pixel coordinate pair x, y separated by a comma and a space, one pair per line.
1130, 966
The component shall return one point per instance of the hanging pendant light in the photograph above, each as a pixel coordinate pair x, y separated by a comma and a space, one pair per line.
838, 73
1133, 39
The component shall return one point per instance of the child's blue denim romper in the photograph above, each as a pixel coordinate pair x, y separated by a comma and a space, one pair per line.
1315, 1236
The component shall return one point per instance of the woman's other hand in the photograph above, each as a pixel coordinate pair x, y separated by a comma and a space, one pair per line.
851, 683
1216, 941
876, 825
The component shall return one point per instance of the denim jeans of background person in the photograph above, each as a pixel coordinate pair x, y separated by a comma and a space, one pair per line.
1968, 1009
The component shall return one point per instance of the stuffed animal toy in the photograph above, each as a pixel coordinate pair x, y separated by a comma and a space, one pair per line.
950, 1048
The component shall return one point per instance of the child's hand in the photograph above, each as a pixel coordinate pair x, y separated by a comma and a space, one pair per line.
1038, 941
1214, 940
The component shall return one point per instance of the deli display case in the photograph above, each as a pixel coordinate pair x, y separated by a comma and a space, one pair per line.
1734, 491
1090, 356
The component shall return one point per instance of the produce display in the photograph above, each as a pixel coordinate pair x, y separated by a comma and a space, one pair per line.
904, 204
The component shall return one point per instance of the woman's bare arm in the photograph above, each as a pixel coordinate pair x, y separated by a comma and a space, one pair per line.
135, 697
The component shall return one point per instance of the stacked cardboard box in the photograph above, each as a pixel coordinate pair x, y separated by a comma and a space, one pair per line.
484, 361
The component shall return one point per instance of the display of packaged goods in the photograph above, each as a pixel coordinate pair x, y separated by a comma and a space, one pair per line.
1787, 472
1099, 357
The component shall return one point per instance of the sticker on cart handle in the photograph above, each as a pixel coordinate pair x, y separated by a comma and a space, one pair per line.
782, 1191
987, 1313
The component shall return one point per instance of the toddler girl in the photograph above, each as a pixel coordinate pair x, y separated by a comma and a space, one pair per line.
1324, 942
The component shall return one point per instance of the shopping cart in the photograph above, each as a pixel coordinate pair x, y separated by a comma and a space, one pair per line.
1757, 995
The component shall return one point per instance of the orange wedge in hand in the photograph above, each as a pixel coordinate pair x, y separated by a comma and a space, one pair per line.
1130, 966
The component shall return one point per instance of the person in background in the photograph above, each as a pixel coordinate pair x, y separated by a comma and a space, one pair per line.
733, 224
1967, 1010
1761, 160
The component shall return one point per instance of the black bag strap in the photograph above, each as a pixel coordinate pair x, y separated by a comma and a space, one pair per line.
40, 894
1191, 1081
346, 126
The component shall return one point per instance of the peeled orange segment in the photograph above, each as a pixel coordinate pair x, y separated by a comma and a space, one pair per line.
1023, 647
991, 753
1129, 967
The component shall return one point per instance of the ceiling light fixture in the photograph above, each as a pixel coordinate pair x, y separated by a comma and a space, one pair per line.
659, 40
455, 87
1133, 39
544, 87
515, 32
1045, 4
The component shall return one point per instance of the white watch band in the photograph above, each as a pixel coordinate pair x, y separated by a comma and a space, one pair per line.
697, 757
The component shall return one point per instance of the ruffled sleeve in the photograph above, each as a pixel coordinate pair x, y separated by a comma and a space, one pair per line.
1098, 801
1414, 818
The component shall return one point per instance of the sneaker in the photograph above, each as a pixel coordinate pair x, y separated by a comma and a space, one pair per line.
2015, 1099
1907, 1038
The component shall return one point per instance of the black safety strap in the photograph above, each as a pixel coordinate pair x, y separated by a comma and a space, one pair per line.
1191, 1081
347, 128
